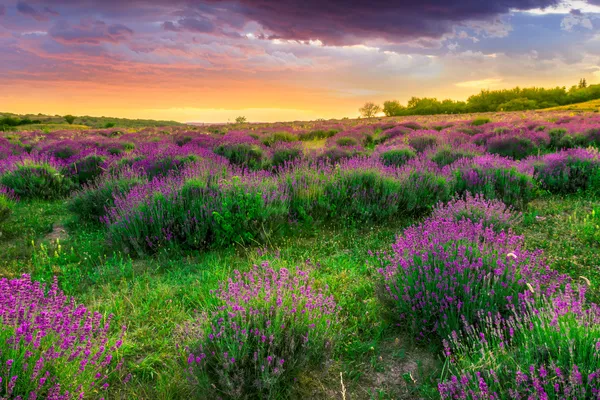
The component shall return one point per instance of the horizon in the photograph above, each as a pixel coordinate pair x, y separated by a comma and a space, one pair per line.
212, 61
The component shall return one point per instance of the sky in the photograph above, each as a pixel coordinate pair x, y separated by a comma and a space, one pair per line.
281, 60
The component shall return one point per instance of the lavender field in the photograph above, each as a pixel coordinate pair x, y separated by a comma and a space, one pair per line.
451, 257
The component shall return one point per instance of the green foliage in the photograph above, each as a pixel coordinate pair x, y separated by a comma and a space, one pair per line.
70, 119
575, 175
109, 125
369, 110
588, 228
512, 187
277, 137
6, 206
243, 216
37, 181
422, 142
397, 157
446, 155
241, 120
317, 135
516, 99
243, 154
346, 141
87, 169
480, 121
516, 147
392, 108
90, 203
282, 155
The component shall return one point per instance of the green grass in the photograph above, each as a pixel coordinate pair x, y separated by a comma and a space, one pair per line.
153, 296
554, 224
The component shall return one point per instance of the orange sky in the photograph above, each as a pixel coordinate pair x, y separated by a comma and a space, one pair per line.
152, 62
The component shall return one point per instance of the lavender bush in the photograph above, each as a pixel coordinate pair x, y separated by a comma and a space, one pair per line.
51, 347
550, 350
265, 327
443, 271
491, 213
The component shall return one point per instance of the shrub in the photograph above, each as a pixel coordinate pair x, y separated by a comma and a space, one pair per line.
285, 153
480, 121
397, 156
243, 154
278, 137
446, 154
550, 350
491, 213
318, 134
37, 180
494, 178
513, 146
87, 169
337, 154
51, 347
422, 142
346, 141
197, 212
362, 194
7, 200
556, 137
264, 328
567, 171
444, 271
91, 202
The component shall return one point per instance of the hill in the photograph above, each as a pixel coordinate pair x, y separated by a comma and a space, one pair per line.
26, 122
592, 105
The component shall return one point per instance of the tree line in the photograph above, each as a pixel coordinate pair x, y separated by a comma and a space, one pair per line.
516, 99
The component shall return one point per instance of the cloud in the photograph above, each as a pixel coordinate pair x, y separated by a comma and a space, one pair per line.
26, 9
198, 25
336, 22
2, 10
573, 20
90, 32
340, 22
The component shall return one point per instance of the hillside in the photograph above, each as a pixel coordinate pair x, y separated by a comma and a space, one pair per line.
592, 105
27, 122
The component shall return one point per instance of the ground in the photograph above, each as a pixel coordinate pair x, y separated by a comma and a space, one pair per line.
154, 295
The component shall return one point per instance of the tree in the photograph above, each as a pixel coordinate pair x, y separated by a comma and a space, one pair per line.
582, 83
392, 108
241, 120
70, 119
369, 110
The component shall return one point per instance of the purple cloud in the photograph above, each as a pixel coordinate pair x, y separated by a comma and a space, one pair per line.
342, 22
2, 10
170, 26
333, 22
197, 25
26, 9
90, 32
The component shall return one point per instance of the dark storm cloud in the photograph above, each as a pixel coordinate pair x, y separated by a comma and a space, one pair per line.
333, 22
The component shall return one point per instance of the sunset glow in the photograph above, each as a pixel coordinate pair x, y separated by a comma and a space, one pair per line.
210, 61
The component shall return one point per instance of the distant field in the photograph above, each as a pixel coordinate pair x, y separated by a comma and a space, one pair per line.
393, 252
